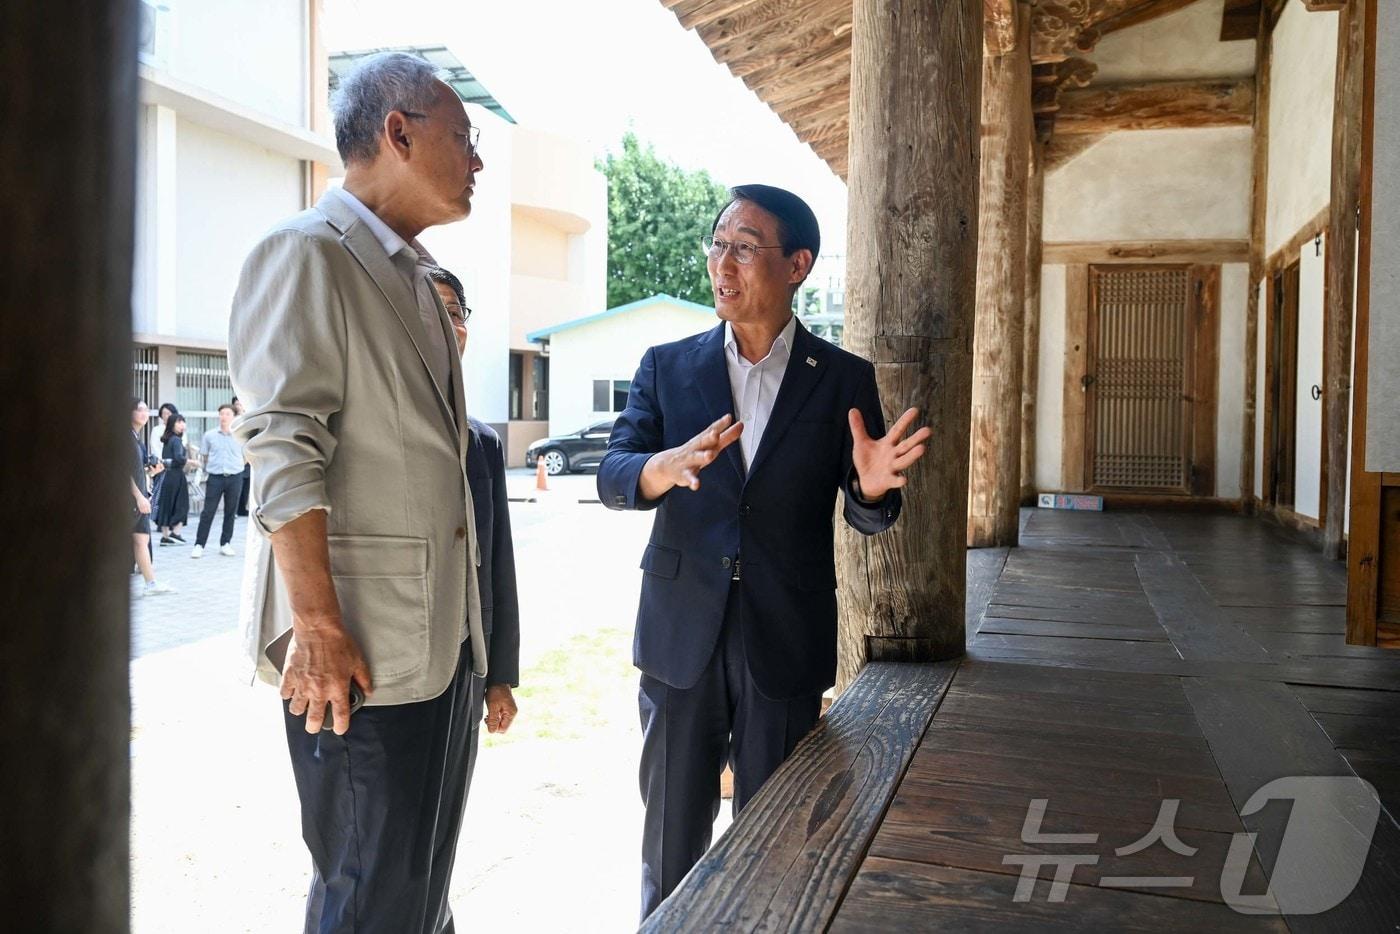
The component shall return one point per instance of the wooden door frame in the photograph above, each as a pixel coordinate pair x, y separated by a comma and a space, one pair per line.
1203, 377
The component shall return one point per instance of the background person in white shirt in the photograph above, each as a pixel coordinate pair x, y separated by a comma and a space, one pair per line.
223, 464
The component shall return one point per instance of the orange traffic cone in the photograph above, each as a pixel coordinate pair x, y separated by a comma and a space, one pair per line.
541, 477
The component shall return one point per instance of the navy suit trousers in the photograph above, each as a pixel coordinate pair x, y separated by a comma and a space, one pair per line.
687, 738
381, 809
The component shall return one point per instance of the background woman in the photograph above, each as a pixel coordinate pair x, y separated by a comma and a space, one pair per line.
174, 504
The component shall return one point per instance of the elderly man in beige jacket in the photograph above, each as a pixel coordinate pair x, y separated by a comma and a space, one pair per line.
364, 544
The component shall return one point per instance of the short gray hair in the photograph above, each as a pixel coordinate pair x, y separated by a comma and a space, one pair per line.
378, 84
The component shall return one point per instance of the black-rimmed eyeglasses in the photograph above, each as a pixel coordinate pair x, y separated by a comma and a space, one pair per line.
460, 314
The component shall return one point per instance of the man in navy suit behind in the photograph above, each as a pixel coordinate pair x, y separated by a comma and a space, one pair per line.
740, 439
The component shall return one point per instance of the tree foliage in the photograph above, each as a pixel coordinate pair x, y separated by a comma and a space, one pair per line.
657, 213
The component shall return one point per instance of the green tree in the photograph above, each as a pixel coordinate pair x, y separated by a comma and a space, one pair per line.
657, 213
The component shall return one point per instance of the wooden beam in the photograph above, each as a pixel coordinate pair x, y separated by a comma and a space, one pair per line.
704, 13
1322, 6
1156, 105
1341, 255
1030, 367
787, 862
1157, 251
1259, 193
999, 26
994, 477
752, 32
1240, 20
914, 128
1205, 281
69, 198
1076, 366
1290, 251
1142, 13
1364, 550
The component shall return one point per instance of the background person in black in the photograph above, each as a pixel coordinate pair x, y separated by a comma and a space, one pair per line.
173, 498
141, 471
247, 468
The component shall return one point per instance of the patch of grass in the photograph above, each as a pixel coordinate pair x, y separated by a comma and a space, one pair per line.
566, 694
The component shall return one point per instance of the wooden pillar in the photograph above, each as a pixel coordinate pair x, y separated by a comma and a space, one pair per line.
67, 173
1340, 271
1259, 194
995, 475
1030, 356
911, 272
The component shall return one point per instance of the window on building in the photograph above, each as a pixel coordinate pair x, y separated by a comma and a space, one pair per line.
145, 372
610, 395
540, 383
201, 385
517, 387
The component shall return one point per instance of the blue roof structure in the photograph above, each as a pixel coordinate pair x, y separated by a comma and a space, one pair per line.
544, 333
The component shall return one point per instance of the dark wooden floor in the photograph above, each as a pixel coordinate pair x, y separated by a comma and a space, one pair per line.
1115, 662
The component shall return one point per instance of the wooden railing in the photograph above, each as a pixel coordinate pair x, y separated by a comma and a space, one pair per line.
787, 860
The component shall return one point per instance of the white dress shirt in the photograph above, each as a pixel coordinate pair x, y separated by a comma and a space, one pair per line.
413, 266
755, 386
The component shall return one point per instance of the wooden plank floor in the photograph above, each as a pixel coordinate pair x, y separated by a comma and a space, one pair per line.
1124, 671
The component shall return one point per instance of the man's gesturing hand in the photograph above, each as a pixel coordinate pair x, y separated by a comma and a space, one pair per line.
880, 462
321, 660
681, 466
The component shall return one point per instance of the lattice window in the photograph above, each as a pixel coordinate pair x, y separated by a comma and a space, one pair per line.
1141, 347
145, 382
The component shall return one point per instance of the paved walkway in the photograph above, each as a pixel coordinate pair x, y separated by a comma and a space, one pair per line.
216, 838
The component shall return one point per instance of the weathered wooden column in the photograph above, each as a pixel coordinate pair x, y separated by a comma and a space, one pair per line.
67, 181
1340, 271
995, 475
1030, 356
911, 273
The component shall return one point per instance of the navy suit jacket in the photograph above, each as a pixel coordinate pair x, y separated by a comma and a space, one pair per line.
500, 604
777, 517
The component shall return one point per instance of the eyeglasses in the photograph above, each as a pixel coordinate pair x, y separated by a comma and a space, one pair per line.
460, 314
743, 251
472, 137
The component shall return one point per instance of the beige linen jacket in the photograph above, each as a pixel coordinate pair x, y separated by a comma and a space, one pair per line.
343, 413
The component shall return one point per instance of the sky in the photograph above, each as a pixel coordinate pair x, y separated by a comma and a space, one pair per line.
590, 69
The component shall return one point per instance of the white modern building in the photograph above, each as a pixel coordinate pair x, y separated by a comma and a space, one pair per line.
235, 136
229, 141
592, 359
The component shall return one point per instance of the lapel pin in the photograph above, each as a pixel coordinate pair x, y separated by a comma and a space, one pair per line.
811, 361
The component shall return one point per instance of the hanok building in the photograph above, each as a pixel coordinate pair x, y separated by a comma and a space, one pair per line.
1087, 246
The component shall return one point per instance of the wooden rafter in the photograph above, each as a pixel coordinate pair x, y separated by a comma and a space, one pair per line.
1156, 105
1319, 6
1141, 13
999, 26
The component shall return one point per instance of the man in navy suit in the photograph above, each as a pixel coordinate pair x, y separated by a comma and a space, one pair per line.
741, 438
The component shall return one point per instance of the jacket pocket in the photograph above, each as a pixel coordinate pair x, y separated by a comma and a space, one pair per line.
382, 584
661, 561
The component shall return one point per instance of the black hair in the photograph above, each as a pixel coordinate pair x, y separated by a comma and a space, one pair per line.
167, 405
170, 421
797, 225
136, 403
438, 274
228, 406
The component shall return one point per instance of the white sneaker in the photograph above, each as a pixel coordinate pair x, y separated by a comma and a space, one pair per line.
226, 550
158, 589
197, 551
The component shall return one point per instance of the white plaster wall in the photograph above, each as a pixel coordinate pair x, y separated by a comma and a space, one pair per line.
1154, 184
1261, 349
228, 193
609, 349
1229, 418
477, 250
253, 52
1049, 398
1307, 484
1181, 45
1300, 121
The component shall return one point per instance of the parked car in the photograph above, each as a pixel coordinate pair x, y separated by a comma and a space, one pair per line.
572, 452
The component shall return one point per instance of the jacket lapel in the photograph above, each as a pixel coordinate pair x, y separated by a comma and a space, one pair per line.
711, 377
799, 379
359, 240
